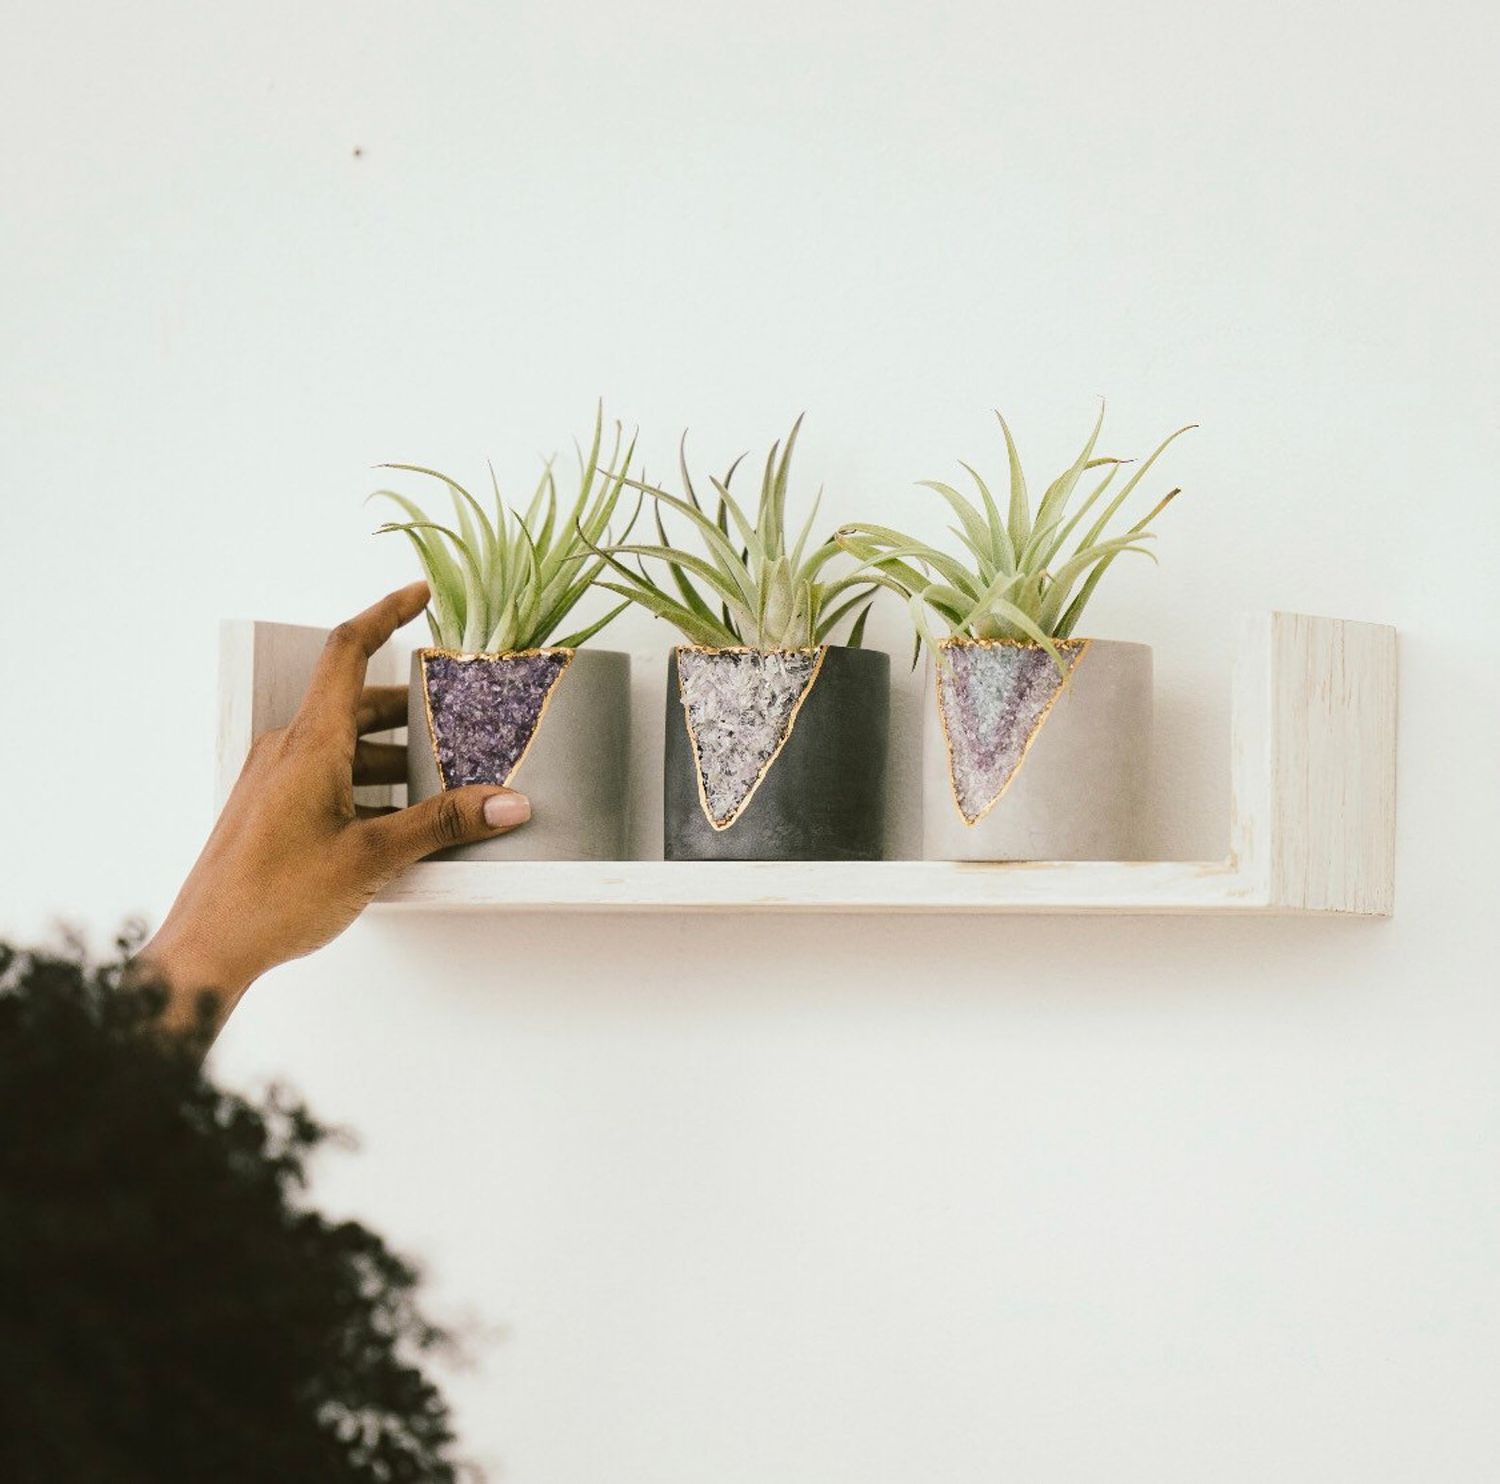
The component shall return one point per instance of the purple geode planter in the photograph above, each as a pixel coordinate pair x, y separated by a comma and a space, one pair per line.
552, 723
992, 701
1024, 763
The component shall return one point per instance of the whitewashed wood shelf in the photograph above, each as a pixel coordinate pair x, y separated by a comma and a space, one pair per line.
1312, 827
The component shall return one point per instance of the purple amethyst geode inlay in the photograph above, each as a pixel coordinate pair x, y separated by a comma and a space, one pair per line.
994, 699
485, 710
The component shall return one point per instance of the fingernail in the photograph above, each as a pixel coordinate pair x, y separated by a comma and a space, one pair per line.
505, 811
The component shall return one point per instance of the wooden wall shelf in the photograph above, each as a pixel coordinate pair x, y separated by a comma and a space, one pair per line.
1312, 827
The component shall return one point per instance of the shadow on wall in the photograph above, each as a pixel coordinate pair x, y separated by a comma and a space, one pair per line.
864, 966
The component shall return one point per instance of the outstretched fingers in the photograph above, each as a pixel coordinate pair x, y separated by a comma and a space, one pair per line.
379, 762
335, 691
382, 708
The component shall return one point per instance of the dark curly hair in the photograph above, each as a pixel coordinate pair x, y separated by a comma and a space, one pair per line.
170, 1308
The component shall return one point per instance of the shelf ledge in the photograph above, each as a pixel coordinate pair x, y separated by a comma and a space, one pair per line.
827, 886
1312, 824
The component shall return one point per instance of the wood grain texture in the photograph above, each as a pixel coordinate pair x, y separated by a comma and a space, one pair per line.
1315, 762
1312, 820
829, 886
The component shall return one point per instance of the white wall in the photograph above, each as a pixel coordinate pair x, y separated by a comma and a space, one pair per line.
809, 1200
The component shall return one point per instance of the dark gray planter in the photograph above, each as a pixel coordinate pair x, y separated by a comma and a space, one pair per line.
732, 793
553, 723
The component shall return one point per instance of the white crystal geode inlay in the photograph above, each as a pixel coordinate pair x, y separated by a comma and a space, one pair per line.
740, 705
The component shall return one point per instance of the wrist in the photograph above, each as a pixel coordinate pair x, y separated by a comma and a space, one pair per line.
190, 970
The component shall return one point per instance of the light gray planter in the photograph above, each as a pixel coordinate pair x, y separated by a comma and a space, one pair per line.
1019, 766
553, 723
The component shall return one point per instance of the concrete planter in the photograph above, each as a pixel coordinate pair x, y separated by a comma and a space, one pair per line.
1019, 765
553, 723
776, 756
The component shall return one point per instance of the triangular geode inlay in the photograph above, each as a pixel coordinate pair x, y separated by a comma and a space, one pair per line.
993, 698
483, 710
740, 706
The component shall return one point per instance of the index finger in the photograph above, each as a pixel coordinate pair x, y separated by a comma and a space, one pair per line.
333, 693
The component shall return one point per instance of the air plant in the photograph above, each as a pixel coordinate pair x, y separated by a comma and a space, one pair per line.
506, 583
751, 588
1018, 577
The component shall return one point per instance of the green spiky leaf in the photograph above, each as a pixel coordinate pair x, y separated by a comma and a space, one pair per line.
772, 594
1015, 577
507, 581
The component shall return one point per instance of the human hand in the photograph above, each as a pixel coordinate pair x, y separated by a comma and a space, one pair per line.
292, 862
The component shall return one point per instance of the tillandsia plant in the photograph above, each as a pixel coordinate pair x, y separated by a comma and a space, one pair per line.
755, 586
505, 584
1019, 578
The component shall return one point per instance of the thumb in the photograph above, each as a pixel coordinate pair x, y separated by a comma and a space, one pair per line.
457, 816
